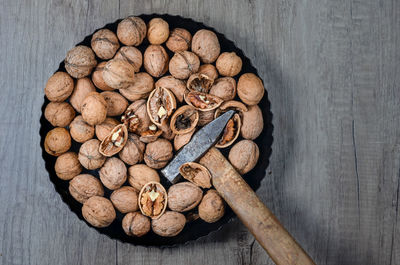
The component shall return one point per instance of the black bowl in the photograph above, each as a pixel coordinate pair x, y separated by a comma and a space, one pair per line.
195, 229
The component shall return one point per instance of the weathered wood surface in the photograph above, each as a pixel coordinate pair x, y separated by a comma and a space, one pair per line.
331, 68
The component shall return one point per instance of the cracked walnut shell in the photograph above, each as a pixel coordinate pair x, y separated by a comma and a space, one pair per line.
175, 85
184, 120
160, 105
113, 173
181, 140
80, 61
196, 173
199, 82
84, 186
202, 101
57, 141
184, 196
98, 211
136, 224
115, 141
153, 200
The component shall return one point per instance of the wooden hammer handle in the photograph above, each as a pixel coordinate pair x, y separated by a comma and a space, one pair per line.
261, 222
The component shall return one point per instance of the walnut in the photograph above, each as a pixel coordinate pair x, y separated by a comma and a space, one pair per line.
84, 186
196, 173
104, 43
89, 155
67, 166
94, 108
141, 174
136, 224
132, 153
182, 139
158, 31
169, 224
158, 153
82, 89
231, 132
224, 88
179, 40
250, 89
132, 31
184, 120
115, 141
160, 105
103, 129
97, 77
136, 118
173, 84
125, 199
80, 130
151, 134
252, 123
59, 87
184, 196
153, 200
113, 173
244, 156
118, 74
199, 82
98, 211
206, 45
80, 61
57, 141
59, 114
228, 64
205, 117
141, 87
208, 70
202, 101
155, 60
132, 55
116, 104
183, 64
212, 207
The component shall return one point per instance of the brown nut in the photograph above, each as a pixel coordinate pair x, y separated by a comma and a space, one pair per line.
80, 130
103, 129
89, 155
132, 55
160, 105
183, 64
205, 117
169, 224
208, 70
125, 199
59, 87
206, 45
231, 132
133, 151
196, 173
67, 166
252, 123
244, 156
104, 43
140, 174
113, 173
115, 141
228, 64
118, 74
59, 114
182, 139
184, 196
153, 200
212, 207
136, 118
224, 88
151, 134
158, 31
141, 87
202, 101
132, 31
84, 186
98, 211
158, 153
179, 40
80, 61
231, 105
184, 120
155, 60
97, 77
94, 108
57, 141
82, 89
136, 224
199, 82
175, 85
116, 104
250, 89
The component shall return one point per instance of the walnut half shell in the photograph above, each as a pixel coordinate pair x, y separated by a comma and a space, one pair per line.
153, 200
231, 132
115, 141
202, 101
196, 173
199, 82
184, 120
160, 105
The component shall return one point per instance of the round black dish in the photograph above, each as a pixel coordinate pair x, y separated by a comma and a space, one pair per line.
192, 230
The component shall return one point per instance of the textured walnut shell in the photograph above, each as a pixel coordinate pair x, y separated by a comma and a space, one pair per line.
133, 151
132, 31
169, 224
125, 199
115, 141
175, 85
184, 120
212, 207
244, 156
98, 211
118, 74
151, 134
84, 186
57, 141
205, 117
184, 196
206, 45
82, 89
202, 101
230, 105
155, 60
136, 224
224, 88
104, 43
103, 129
59, 87
199, 82
94, 108
158, 153
80, 130
252, 123
141, 174
116, 104
182, 139
158, 31
208, 70
153, 200
59, 114
141, 87
67, 166
196, 173
132, 55
160, 105
80, 61
136, 117
97, 77
231, 132
228, 64
89, 155
113, 173
250, 89
183, 64
179, 40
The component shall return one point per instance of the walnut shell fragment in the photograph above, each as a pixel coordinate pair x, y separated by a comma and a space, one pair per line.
231, 132
184, 196
151, 134
153, 200
230, 105
115, 141
199, 82
184, 120
202, 101
196, 173
181, 140
160, 105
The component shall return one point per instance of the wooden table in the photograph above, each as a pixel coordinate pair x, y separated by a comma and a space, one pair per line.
331, 68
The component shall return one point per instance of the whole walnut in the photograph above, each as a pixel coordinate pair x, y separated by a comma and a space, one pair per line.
97, 77
250, 89
125, 199
183, 64
175, 85
155, 60
228, 64
212, 207
59, 114
184, 196
84, 186
132, 153
132, 31
244, 156
141, 87
98, 211
208, 70
80, 61
225, 88
89, 155
82, 89
252, 123
136, 224
158, 31
104, 43
206, 45
67, 166
179, 40
113, 173
116, 104
169, 224
57, 141
158, 153
94, 108
59, 87
132, 55
139, 109
80, 130
103, 129
118, 74
140, 174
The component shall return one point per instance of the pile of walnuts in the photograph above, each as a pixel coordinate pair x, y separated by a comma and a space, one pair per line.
131, 111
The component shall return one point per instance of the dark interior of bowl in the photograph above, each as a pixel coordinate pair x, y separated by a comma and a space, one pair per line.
195, 229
